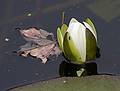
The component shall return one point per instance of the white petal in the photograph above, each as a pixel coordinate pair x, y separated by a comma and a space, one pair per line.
90, 28
73, 20
77, 33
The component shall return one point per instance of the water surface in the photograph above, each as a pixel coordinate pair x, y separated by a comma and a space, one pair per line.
46, 14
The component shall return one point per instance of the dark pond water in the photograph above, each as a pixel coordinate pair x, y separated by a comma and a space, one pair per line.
46, 14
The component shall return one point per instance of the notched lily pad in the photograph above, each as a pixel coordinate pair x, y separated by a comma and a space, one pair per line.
38, 44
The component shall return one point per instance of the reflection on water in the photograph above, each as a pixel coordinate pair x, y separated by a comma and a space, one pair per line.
106, 9
62, 6
59, 6
70, 70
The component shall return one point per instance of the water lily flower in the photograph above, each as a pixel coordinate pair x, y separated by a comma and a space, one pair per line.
78, 41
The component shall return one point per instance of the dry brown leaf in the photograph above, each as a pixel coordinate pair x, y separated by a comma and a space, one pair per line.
38, 45
34, 33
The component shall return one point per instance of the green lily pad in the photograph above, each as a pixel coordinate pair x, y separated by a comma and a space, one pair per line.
88, 83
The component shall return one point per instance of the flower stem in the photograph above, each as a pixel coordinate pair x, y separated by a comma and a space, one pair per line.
63, 15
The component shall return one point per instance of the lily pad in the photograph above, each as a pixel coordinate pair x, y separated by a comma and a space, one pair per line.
88, 83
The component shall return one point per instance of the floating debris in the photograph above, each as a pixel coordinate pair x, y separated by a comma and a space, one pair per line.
7, 39
29, 14
38, 44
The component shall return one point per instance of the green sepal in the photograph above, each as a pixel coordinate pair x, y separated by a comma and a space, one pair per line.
59, 38
91, 24
63, 29
91, 46
70, 51
60, 35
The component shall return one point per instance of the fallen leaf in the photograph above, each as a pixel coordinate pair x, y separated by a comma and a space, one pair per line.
38, 45
34, 33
